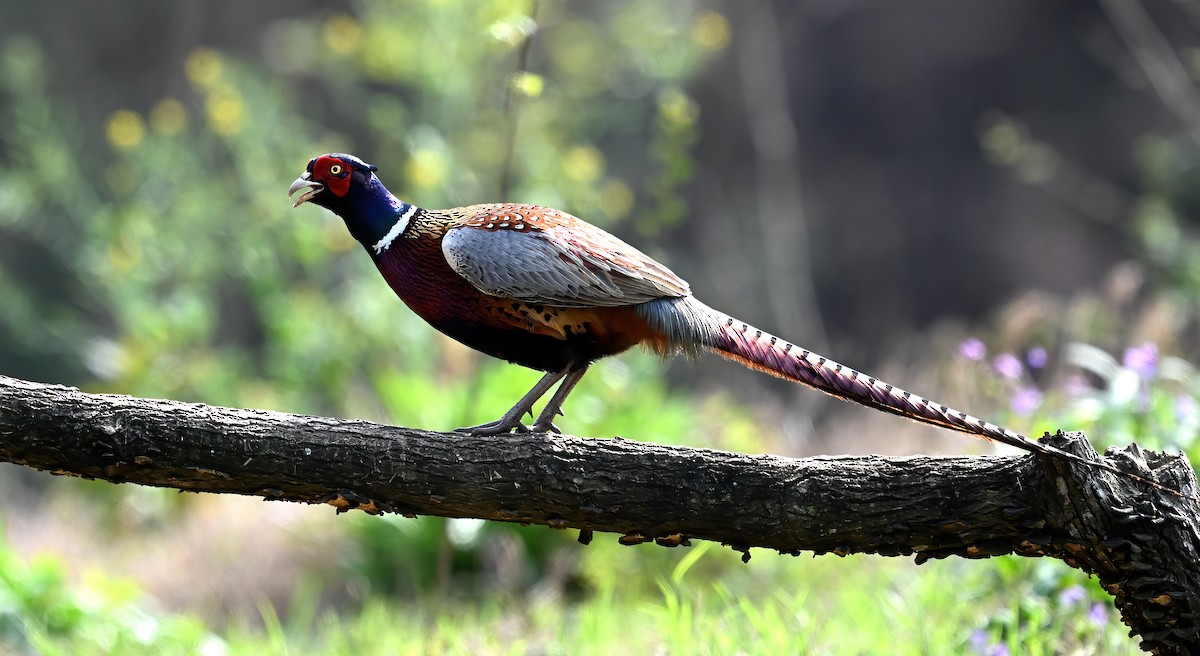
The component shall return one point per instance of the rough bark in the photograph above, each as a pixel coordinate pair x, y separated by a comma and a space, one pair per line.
1142, 544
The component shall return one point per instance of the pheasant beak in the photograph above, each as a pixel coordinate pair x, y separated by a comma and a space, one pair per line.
305, 181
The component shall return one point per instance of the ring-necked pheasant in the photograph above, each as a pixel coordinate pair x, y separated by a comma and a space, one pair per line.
549, 291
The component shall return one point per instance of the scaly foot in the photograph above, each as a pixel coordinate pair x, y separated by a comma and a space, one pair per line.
501, 426
547, 427
545, 421
511, 421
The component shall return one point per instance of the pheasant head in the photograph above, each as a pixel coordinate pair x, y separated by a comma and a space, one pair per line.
333, 180
348, 187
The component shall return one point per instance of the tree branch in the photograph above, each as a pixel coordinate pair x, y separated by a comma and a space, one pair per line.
1143, 545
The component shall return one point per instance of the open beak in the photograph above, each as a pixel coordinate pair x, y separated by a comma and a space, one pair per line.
305, 181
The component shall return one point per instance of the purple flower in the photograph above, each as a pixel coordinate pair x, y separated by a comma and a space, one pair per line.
972, 349
1072, 595
1008, 366
1142, 359
1037, 357
981, 643
1077, 385
1185, 409
1026, 400
1098, 615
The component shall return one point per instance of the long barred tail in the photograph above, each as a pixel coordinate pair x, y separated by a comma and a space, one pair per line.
754, 348
684, 324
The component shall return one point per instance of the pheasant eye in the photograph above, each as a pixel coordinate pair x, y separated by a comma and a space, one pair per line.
335, 169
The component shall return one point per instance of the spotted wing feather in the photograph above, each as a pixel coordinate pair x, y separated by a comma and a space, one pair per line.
540, 255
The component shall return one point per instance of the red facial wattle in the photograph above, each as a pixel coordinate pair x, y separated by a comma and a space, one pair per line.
334, 174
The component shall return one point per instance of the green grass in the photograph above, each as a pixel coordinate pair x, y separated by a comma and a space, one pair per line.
697, 600
856, 605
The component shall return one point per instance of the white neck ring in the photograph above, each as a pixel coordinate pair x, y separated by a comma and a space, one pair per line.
397, 228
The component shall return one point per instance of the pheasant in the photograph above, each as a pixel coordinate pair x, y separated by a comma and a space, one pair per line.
546, 290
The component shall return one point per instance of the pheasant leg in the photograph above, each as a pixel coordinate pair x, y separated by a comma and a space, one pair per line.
512, 419
545, 420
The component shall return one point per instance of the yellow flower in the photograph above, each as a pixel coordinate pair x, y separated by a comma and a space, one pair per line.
168, 117
123, 254
676, 108
583, 163
226, 112
529, 85
342, 34
711, 31
617, 199
125, 129
203, 67
426, 168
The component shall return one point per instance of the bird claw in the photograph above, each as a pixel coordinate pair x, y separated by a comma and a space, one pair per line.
545, 422
501, 426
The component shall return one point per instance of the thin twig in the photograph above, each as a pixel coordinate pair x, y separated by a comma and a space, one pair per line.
1158, 60
512, 103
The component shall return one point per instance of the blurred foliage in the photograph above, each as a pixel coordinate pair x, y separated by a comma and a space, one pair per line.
1142, 397
42, 612
1117, 361
1163, 220
646, 599
173, 264
189, 275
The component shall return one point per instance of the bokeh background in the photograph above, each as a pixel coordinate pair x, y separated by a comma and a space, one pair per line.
991, 203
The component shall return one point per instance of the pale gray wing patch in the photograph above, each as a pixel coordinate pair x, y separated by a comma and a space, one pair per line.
538, 267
